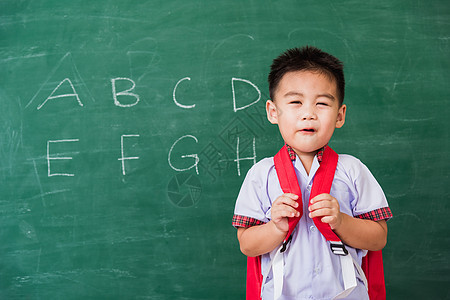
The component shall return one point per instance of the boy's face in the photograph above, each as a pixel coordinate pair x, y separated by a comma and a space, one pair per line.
306, 109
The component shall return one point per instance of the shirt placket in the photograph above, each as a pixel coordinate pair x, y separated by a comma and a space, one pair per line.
314, 234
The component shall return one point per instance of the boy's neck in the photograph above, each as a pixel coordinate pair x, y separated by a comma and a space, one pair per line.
307, 159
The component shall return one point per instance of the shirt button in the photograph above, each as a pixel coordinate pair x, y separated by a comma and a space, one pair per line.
317, 270
312, 228
309, 188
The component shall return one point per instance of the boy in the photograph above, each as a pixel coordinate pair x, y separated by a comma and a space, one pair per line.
307, 91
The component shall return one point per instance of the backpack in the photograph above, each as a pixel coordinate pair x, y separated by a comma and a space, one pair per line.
372, 264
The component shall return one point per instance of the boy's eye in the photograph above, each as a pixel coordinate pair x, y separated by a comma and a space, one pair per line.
322, 103
295, 102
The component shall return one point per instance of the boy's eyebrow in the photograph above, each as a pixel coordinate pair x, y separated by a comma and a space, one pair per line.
326, 95
293, 93
299, 94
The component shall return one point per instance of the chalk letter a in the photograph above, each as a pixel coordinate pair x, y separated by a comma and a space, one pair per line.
74, 94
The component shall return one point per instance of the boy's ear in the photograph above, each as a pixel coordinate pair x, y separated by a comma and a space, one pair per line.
271, 110
341, 116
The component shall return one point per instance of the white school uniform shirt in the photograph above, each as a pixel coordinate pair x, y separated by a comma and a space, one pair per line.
311, 270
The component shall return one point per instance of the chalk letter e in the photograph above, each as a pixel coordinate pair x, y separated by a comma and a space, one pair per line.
50, 174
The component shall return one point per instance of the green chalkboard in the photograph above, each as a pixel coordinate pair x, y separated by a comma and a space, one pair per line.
127, 127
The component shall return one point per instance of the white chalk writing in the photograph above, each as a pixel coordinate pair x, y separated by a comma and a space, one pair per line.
195, 156
124, 93
74, 94
123, 158
174, 97
238, 159
49, 158
235, 108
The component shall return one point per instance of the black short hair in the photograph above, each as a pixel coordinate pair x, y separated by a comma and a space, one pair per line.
307, 58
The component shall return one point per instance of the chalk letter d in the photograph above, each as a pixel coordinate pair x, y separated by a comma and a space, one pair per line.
235, 108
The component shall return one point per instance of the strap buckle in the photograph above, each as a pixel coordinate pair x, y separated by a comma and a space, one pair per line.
285, 243
338, 248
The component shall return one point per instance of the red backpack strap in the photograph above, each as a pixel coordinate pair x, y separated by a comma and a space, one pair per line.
254, 278
289, 184
323, 180
372, 265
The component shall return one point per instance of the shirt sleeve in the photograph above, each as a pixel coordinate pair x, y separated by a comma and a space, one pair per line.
379, 214
369, 199
243, 221
253, 202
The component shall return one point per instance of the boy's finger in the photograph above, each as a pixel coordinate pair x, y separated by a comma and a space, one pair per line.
285, 211
319, 204
321, 197
293, 213
331, 206
321, 212
290, 195
287, 201
328, 219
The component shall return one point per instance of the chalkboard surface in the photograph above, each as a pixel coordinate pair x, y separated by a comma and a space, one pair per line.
127, 127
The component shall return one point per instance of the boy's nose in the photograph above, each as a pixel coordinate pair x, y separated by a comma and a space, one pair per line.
308, 116
308, 113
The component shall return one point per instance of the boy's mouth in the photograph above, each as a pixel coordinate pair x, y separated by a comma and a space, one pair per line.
308, 130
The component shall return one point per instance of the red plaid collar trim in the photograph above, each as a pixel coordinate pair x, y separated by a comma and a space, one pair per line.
292, 153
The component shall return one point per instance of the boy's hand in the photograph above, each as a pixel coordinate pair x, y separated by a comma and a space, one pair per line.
283, 208
327, 207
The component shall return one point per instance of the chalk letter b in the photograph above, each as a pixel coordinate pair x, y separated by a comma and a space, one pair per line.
124, 93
